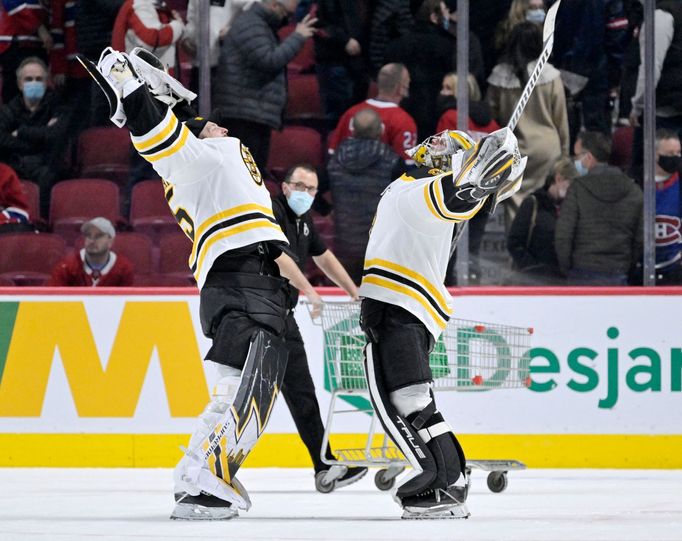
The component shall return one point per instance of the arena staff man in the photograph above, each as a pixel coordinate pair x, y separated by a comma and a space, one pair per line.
405, 305
292, 210
220, 201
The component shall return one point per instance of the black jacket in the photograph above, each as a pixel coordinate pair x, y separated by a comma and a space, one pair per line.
429, 53
600, 226
34, 136
669, 88
250, 81
302, 236
94, 23
359, 171
531, 239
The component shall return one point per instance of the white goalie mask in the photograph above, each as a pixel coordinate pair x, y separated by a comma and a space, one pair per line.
437, 150
493, 166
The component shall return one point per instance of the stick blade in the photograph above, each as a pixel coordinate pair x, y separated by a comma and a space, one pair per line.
550, 20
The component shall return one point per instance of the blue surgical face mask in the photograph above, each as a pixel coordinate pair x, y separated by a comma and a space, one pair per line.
300, 202
580, 168
535, 15
34, 90
446, 23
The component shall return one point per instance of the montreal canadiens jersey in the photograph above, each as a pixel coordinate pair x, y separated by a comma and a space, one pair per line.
409, 248
214, 190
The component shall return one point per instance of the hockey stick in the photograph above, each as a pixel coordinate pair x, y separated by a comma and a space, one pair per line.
548, 40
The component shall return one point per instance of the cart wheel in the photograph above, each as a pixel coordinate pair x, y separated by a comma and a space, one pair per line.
321, 486
497, 481
381, 482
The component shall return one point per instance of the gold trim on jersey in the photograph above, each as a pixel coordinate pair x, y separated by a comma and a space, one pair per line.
405, 290
255, 224
172, 149
433, 290
223, 215
167, 126
433, 194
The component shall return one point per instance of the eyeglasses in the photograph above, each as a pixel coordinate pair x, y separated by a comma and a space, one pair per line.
301, 187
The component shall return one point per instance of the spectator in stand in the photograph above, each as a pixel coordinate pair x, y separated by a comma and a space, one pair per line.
589, 42
94, 265
599, 233
400, 130
23, 34
480, 123
250, 88
476, 64
32, 129
668, 208
340, 50
429, 53
391, 20
291, 209
531, 237
221, 14
667, 75
149, 24
542, 130
532, 11
358, 172
13, 206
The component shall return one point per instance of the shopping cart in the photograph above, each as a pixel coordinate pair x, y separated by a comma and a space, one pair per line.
468, 356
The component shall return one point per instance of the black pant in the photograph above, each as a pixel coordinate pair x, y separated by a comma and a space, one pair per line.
254, 135
298, 390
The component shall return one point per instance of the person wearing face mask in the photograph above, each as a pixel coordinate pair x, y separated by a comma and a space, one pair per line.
249, 88
668, 208
292, 212
599, 231
32, 129
531, 236
532, 11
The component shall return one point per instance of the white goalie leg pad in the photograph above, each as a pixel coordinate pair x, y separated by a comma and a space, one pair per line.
191, 474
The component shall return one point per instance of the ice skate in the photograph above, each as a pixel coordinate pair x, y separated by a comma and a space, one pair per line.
436, 504
202, 507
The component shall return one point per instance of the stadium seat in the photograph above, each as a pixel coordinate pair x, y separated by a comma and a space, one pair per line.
304, 105
621, 147
104, 152
75, 201
294, 144
149, 211
32, 193
162, 280
135, 247
27, 259
6, 282
174, 250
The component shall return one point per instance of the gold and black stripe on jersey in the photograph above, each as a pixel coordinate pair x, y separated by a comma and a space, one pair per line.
436, 201
168, 137
225, 224
400, 279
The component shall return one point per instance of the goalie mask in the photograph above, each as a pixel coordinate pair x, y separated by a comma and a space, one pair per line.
436, 151
493, 166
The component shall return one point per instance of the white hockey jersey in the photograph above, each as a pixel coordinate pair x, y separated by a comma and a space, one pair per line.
409, 248
214, 190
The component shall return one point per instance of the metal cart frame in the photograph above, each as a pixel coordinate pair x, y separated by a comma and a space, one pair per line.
469, 356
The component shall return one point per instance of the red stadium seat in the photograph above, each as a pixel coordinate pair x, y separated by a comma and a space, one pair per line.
149, 211
104, 153
6, 282
137, 248
304, 105
32, 193
76, 201
27, 259
174, 250
162, 280
294, 144
621, 147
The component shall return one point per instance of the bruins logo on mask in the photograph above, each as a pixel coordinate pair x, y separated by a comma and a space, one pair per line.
251, 166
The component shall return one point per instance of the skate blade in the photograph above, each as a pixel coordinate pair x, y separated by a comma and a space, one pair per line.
436, 513
188, 511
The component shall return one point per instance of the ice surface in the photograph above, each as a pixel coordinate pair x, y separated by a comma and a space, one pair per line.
542, 505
